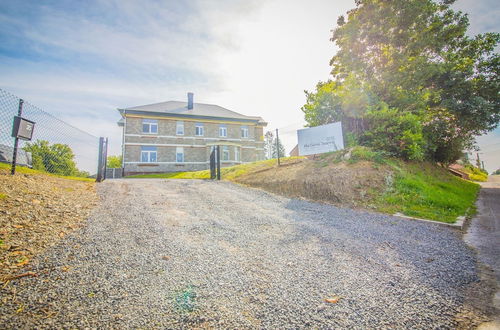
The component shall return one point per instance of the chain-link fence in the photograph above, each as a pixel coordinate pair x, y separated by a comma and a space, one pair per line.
56, 146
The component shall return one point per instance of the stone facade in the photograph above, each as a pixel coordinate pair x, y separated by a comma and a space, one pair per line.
165, 143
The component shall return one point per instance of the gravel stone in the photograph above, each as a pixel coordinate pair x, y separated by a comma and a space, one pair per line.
188, 253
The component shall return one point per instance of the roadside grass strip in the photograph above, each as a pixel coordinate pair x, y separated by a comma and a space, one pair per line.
427, 191
27, 170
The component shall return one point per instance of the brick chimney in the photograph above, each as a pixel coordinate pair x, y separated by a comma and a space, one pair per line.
190, 101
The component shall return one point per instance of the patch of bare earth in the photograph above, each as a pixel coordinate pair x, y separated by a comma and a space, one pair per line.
35, 212
341, 184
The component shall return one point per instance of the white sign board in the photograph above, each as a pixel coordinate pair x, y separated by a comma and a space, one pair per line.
320, 139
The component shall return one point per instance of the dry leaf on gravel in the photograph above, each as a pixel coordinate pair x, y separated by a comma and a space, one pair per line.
333, 300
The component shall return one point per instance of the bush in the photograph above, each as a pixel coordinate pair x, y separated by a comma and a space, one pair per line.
364, 153
476, 174
398, 134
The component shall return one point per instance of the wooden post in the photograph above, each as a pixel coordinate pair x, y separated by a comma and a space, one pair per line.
278, 147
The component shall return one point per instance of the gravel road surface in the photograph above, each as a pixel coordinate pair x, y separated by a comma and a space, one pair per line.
187, 253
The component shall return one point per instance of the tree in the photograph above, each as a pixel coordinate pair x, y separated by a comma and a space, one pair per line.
56, 158
114, 162
268, 144
414, 57
278, 147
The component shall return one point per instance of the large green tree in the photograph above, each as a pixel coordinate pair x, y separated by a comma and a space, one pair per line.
56, 158
413, 56
114, 162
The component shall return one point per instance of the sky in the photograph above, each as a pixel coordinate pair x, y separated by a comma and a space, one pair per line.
81, 60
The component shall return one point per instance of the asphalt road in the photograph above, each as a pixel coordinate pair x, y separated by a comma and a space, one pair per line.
484, 231
200, 254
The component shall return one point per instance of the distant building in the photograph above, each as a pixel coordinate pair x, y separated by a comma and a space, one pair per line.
23, 157
179, 136
295, 151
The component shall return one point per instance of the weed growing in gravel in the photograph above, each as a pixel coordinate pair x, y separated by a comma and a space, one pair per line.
3, 196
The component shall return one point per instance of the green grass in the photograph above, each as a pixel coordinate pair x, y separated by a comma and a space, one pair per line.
475, 173
227, 173
27, 170
427, 191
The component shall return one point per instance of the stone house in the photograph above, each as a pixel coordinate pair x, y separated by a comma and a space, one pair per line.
177, 136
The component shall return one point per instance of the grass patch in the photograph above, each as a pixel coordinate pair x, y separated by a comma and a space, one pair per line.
27, 170
427, 191
3, 196
475, 173
227, 173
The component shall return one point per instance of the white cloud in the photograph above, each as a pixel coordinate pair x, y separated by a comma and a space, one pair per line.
255, 57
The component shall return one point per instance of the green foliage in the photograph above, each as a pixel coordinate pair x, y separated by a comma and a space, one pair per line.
364, 153
497, 172
3, 196
414, 56
395, 132
426, 191
56, 158
351, 140
323, 106
475, 173
114, 162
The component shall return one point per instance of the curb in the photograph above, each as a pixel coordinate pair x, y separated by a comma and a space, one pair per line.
459, 222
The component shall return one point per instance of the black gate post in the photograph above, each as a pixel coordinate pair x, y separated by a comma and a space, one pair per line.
105, 161
16, 141
100, 167
218, 162
212, 164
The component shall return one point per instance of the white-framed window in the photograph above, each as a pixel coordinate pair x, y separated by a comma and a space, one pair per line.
222, 131
150, 126
244, 131
237, 154
225, 152
198, 129
179, 154
148, 154
179, 128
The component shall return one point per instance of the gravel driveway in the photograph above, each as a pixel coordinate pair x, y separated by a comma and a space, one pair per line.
171, 253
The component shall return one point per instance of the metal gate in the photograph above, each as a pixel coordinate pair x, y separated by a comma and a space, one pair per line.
215, 163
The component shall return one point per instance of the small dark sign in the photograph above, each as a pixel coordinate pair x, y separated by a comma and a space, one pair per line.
23, 128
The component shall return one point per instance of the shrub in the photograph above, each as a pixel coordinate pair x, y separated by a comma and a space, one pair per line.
397, 133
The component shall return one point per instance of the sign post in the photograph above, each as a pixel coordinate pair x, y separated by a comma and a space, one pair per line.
21, 129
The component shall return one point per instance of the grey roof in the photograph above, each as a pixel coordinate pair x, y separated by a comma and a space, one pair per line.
178, 108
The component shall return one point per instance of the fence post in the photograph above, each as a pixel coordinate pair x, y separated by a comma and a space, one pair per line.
278, 147
16, 140
105, 160
218, 162
99, 177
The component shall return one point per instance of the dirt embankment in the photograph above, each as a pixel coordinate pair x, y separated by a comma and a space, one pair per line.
36, 211
341, 184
